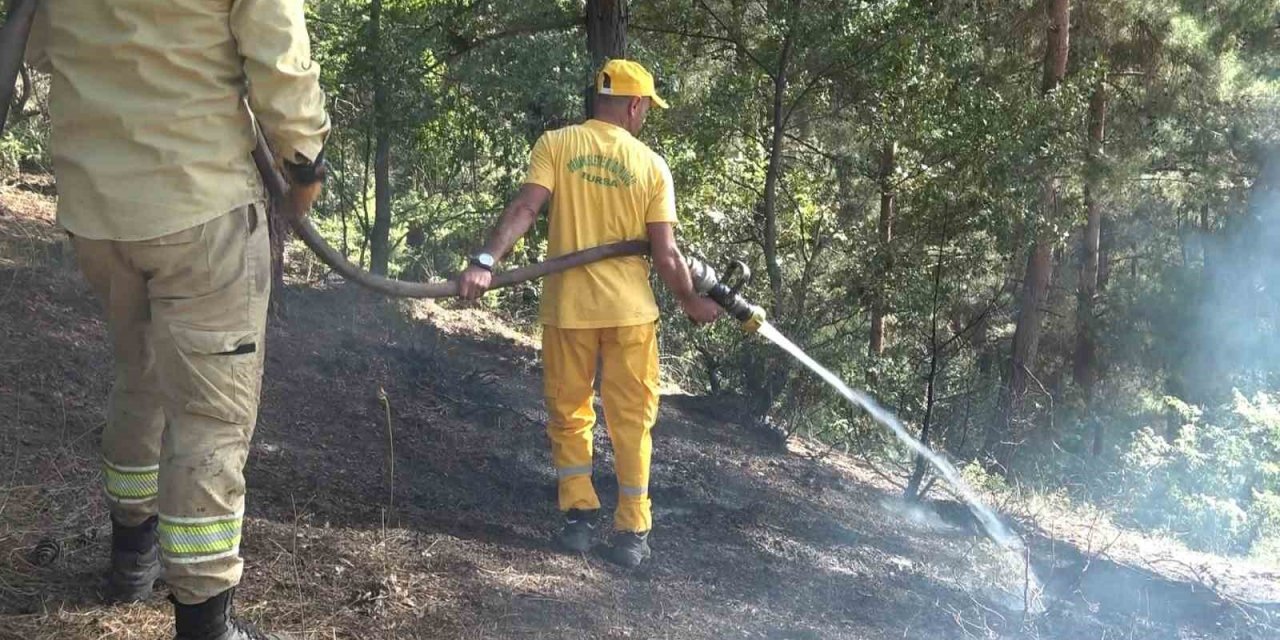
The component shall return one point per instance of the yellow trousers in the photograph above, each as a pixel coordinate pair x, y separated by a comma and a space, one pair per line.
629, 389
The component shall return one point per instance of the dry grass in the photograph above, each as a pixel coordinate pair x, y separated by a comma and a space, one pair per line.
455, 319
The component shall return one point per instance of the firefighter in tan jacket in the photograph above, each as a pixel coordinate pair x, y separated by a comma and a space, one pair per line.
151, 148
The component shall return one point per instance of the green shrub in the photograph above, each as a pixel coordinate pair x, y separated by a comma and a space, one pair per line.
1215, 485
25, 145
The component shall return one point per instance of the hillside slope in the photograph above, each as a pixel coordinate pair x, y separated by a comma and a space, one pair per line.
400, 487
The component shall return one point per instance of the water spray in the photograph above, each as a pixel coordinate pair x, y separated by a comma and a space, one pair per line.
725, 290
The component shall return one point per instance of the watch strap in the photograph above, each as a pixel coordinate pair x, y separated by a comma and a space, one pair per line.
475, 262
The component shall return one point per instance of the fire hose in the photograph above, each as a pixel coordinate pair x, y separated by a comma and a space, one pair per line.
13, 42
310, 236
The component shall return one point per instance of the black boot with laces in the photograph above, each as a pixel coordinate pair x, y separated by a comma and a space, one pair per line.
629, 549
579, 528
135, 562
212, 620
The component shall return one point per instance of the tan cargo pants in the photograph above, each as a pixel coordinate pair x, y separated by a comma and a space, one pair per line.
186, 314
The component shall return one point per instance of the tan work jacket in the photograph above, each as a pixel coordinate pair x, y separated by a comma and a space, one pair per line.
150, 135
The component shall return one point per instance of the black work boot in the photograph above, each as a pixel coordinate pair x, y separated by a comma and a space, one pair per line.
629, 549
579, 526
135, 562
212, 620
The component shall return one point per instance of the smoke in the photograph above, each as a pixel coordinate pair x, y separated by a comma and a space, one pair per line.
1209, 480
1237, 337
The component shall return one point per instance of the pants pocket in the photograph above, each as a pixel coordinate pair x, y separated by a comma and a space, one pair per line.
219, 370
638, 353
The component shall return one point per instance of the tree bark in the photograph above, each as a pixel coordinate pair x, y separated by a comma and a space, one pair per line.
1106, 243
846, 179
1057, 45
1208, 247
606, 39
769, 207
767, 375
1085, 372
1085, 369
380, 233
879, 306
912, 492
1003, 441
380, 243
1026, 345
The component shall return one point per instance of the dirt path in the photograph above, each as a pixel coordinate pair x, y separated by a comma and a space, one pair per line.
751, 541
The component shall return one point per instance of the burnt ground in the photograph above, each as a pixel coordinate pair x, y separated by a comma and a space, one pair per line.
400, 487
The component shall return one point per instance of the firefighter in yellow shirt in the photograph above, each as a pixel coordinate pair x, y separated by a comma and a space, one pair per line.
604, 186
151, 148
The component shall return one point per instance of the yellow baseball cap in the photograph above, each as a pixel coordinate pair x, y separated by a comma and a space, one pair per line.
627, 78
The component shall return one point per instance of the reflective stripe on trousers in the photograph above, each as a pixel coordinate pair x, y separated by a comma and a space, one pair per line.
193, 540
569, 472
131, 485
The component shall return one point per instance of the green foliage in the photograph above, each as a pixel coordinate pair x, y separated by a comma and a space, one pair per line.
25, 145
1216, 482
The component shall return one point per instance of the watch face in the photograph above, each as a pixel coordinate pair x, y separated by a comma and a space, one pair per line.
485, 259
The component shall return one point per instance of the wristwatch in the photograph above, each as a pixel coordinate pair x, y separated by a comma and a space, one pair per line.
484, 261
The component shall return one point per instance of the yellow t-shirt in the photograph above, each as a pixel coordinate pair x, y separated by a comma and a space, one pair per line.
605, 187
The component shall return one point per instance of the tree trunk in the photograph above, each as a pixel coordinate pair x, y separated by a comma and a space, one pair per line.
380, 243
879, 306
380, 233
1085, 369
1002, 441
1106, 243
606, 39
1026, 344
771, 374
769, 207
1208, 248
1058, 44
380, 246
846, 189
912, 492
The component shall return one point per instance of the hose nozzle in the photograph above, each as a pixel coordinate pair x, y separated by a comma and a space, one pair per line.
755, 320
724, 291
